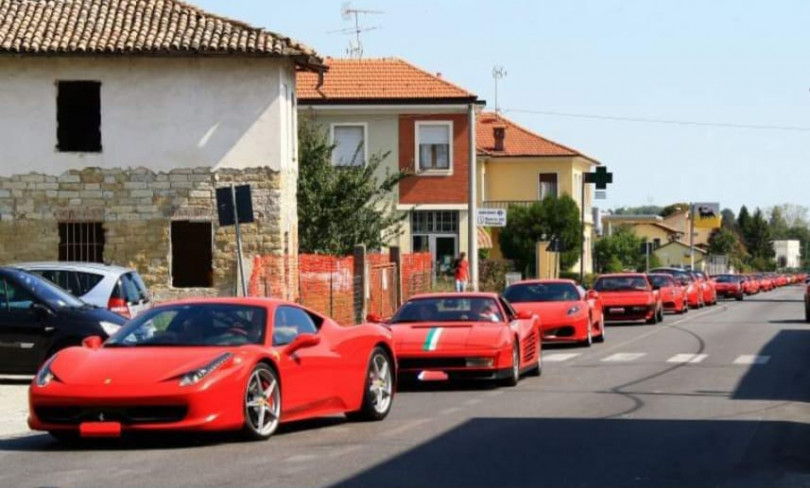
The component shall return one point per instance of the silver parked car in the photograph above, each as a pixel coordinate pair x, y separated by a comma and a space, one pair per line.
116, 288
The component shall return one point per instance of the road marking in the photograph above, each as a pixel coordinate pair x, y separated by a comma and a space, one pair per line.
621, 357
448, 411
752, 359
471, 402
405, 427
560, 356
299, 458
687, 358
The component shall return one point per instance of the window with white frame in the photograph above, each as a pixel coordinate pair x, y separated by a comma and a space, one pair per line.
434, 149
548, 185
350, 144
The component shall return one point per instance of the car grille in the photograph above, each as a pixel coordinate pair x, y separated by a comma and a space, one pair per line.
432, 363
141, 414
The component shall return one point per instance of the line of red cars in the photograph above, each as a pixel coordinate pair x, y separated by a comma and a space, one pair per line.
250, 364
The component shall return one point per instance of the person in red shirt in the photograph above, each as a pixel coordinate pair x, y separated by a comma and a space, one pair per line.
462, 272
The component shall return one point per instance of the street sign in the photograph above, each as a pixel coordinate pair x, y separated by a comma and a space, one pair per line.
707, 215
601, 177
600, 195
491, 217
225, 205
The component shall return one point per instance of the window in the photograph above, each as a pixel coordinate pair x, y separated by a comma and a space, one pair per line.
78, 116
289, 323
548, 185
350, 144
434, 151
81, 241
192, 255
15, 298
76, 282
439, 221
656, 243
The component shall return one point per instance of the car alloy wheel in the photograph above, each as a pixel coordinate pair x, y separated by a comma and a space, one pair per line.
601, 337
514, 372
262, 403
378, 393
588, 342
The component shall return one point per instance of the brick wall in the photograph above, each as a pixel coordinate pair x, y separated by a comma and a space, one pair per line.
136, 207
434, 189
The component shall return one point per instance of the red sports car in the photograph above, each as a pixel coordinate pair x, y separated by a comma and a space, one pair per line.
750, 285
629, 297
465, 336
694, 293
673, 295
567, 312
730, 286
215, 364
709, 291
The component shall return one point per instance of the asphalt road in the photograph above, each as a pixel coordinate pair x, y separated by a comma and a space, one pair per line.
719, 397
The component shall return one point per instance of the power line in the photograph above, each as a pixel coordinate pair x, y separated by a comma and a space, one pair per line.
616, 118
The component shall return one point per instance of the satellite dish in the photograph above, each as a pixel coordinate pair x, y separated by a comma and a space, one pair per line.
345, 13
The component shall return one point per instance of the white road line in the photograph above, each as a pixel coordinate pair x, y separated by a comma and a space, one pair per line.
473, 401
404, 427
560, 356
752, 359
448, 411
687, 358
622, 357
300, 458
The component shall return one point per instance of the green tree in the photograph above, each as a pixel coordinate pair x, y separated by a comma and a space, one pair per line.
619, 251
743, 221
725, 241
758, 241
528, 225
674, 208
643, 210
729, 220
341, 207
778, 224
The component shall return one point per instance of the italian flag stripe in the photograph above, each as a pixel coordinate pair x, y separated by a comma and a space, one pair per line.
432, 339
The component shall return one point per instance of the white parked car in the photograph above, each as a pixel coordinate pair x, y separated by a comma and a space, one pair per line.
118, 289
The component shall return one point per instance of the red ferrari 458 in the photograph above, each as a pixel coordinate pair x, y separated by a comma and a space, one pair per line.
465, 336
629, 297
730, 286
673, 295
567, 312
215, 364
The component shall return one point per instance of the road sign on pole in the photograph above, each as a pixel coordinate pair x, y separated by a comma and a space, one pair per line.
235, 206
491, 217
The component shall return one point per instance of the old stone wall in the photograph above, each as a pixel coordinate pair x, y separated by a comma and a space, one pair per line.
136, 207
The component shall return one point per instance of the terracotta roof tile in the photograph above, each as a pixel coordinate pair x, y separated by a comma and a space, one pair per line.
518, 141
134, 27
376, 79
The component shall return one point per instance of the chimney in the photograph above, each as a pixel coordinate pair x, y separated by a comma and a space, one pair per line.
500, 135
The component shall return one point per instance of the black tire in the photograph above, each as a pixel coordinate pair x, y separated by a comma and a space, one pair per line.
601, 337
376, 404
514, 372
654, 319
661, 315
807, 314
254, 427
740, 297
588, 342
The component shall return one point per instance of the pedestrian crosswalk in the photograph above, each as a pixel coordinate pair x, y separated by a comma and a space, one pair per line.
680, 358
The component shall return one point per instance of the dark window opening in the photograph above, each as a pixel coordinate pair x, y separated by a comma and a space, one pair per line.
192, 255
78, 116
81, 241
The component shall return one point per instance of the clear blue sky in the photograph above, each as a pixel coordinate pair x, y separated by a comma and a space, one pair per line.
732, 61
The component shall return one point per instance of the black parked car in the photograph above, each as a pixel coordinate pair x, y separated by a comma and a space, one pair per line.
37, 319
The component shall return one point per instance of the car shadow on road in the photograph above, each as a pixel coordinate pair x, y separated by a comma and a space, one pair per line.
785, 375
788, 321
488, 452
156, 441
415, 386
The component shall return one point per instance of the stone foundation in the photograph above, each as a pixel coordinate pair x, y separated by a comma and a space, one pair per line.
136, 207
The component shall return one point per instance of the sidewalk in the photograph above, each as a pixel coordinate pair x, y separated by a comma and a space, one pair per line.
13, 407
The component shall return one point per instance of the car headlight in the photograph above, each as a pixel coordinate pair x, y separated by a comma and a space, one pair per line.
573, 310
45, 375
194, 377
109, 328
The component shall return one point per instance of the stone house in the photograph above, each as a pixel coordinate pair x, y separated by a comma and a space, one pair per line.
118, 119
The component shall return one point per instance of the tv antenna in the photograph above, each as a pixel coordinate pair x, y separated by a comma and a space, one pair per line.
355, 49
498, 73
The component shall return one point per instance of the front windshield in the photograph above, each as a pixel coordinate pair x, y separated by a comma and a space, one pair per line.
727, 279
661, 281
201, 324
621, 283
449, 309
47, 291
541, 292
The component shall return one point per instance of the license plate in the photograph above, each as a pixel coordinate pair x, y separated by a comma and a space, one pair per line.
616, 310
433, 376
100, 429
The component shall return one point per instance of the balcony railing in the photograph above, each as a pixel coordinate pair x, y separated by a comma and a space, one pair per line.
506, 203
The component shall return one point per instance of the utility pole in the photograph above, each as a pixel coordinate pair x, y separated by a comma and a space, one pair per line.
691, 236
472, 223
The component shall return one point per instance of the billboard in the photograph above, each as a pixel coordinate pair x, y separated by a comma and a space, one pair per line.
707, 215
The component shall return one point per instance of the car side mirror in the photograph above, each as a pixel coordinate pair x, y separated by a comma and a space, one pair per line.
374, 318
656, 287
592, 295
524, 315
301, 342
92, 342
41, 311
